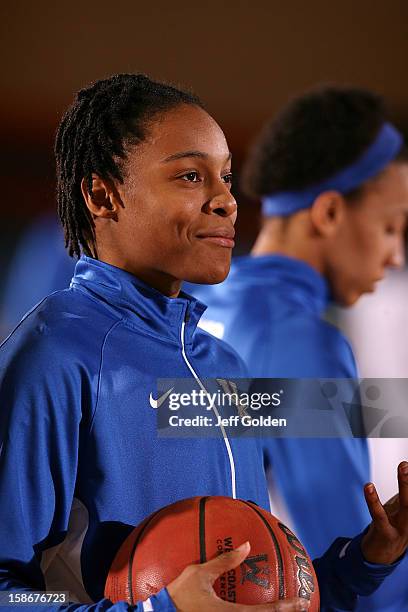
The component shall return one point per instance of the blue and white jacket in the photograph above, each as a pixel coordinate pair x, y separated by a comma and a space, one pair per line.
271, 310
81, 463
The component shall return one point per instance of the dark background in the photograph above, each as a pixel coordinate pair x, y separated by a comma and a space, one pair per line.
245, 59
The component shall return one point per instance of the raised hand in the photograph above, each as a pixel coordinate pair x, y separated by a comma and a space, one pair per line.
387, 536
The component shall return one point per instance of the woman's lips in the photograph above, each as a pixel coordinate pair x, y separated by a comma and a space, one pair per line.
223, 236
223, 241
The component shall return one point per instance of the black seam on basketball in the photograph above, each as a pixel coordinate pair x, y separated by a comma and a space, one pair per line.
201, 529
277, 548
132, 554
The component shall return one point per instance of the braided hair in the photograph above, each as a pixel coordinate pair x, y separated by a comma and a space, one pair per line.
104, 119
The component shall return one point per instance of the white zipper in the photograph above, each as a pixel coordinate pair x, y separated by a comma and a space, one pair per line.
224, 433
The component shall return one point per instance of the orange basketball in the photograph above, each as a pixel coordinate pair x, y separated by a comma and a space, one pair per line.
198, 529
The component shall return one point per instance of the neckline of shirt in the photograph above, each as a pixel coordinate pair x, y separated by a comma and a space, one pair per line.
298, 277
137, 301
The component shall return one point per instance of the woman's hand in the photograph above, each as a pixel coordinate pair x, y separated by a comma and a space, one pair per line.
387, 536
192, 590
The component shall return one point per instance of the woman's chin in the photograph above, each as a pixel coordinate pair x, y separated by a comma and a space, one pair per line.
208, 277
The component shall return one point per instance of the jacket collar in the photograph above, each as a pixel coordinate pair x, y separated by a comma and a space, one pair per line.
291, 277
138, 303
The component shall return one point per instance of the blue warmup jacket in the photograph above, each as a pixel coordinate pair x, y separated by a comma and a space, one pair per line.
80, 460
270, 310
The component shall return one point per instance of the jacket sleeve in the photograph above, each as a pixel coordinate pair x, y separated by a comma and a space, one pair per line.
40, 440
343, 575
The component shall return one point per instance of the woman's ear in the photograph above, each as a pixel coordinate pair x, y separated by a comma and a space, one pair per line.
327, 213
103, 201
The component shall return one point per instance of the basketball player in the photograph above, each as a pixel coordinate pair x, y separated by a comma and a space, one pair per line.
144, 196
332, 174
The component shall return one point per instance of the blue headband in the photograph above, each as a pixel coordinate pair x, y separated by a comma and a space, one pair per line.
380, 153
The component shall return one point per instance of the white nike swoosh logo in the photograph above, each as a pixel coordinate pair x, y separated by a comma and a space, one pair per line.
344, 549
157, 403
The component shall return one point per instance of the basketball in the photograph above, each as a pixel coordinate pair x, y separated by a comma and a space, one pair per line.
198, 529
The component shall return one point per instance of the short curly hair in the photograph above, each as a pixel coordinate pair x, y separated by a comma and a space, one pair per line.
314, 136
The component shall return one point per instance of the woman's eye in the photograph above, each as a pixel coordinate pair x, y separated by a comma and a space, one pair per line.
227, 178
191, 177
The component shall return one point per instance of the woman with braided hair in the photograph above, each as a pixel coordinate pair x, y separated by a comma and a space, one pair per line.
144, 178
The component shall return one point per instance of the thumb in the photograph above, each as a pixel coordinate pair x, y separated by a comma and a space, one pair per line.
225, 562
